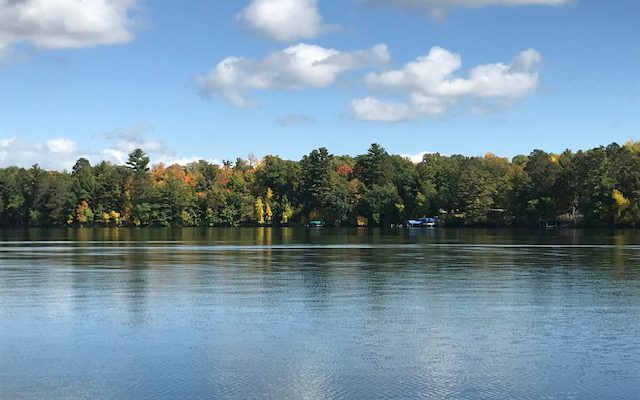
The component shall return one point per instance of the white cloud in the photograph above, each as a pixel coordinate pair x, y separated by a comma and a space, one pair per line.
59, 153
61, 146
432, 88
296, 119
124, 141
296, 67
437, 9
64, 24
372, 109
416, 158
284, 20
188, 160
62, 153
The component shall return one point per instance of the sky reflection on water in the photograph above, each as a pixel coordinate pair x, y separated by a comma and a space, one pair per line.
245, 313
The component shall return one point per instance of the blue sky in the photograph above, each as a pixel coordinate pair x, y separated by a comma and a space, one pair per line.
219, 80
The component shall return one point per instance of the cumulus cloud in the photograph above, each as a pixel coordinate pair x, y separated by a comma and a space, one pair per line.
61, 146
296, 119
372, 109
437, 9
296, 67
58, 153
431, 87
284, 20
64, 24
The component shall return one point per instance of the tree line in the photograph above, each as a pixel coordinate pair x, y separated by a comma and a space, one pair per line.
597, 187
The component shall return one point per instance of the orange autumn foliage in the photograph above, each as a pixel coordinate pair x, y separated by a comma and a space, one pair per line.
344, 170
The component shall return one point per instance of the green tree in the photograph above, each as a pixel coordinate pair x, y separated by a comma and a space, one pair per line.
379, 204
595, 184
316, 178
84, 181
281, 176
371, 168
138, 161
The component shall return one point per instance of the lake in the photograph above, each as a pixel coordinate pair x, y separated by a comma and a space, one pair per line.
319, 313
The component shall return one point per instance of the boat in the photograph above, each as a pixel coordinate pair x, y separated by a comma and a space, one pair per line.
425, 222
315, 224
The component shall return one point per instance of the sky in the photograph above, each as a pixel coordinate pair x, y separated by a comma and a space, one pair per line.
215, 80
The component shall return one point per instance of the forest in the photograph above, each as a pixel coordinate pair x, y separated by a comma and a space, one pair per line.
596, 187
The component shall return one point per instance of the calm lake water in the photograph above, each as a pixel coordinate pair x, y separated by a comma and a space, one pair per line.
320, 313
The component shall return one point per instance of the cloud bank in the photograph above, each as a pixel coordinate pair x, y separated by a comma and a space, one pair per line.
62, 153
57, 153
296, 67
431, 87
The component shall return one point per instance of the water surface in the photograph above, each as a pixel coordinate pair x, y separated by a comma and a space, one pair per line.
320, 313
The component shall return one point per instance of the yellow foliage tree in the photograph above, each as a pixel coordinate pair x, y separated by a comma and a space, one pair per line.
259, 211
621, 203
268, 214
115, 217
362, 221
84, 213
633, 146
287, 211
